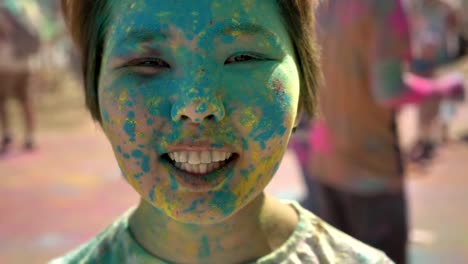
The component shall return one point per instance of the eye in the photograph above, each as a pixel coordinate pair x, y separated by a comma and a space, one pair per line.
244, 57
148, 65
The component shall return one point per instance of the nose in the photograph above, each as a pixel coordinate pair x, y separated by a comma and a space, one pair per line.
198, 101
198, 109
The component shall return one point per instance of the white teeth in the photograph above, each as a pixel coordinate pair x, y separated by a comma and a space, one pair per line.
205, 157
199, 168
203, 168
198, 157
194, 157
216, 156
199, 162
183, 156
196, 168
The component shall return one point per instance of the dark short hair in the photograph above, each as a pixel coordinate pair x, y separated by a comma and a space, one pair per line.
87, 23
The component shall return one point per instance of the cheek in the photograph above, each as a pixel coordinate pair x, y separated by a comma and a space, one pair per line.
120, 116
274, 112
125, 125
129, 109
267, 119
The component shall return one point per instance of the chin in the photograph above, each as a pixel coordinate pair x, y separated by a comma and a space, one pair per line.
208, 217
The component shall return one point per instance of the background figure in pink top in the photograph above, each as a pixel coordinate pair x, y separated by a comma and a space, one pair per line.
435, 32
356, 158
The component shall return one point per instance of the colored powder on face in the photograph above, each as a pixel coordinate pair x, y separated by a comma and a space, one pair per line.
159, 100
173, 137
245, 144
267, 134
276, 167
137, 154
228, 39
123, 97
145, 166
246, 172
249, 193
129, 126
266, 127
174, 185
105, 116
278, 87
248, 117
224, 201
193, 206
201, 108
204, 250
153, 105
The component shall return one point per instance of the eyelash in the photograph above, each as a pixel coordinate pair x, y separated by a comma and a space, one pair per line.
147, 66
152, 65
149, 62
245, 57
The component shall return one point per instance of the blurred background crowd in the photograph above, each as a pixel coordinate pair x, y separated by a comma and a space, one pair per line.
56, 166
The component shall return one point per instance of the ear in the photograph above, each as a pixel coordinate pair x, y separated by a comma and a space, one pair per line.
298, 118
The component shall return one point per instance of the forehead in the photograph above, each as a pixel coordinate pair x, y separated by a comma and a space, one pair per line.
197, 17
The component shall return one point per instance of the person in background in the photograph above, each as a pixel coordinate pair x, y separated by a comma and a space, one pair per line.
435, 34
355, 158
17, 43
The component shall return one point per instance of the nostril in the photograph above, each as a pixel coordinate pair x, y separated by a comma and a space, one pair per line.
184, 117
210, 117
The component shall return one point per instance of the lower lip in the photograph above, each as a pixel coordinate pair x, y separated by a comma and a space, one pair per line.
201, 183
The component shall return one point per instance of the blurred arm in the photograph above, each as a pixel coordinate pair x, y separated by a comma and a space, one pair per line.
390, 56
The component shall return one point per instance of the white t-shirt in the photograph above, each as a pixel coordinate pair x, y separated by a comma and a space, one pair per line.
313, 241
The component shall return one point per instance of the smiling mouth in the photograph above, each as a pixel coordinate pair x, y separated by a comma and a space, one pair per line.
199, 163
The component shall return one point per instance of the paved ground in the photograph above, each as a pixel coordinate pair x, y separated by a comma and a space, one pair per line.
70, 188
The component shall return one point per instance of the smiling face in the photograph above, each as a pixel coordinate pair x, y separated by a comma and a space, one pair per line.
198, 99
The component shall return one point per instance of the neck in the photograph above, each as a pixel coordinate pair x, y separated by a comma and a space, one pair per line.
245, 236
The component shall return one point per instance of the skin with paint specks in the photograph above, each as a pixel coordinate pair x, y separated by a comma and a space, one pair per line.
211, 74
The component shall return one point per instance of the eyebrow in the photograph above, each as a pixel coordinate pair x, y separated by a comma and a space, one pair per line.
144, 35
231, 28
235, 28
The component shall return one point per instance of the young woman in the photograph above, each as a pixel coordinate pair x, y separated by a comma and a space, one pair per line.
199, 99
